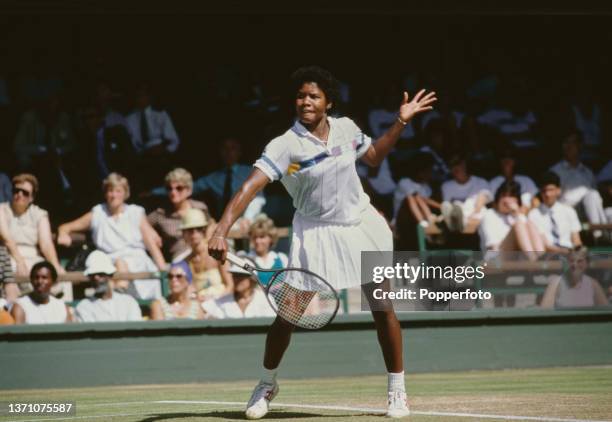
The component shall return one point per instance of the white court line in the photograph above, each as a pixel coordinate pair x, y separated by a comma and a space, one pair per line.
310, 406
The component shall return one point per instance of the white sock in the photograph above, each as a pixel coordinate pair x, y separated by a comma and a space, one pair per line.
268, 375
396, 382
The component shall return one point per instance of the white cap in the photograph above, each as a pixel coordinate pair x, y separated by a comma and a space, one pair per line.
99, 263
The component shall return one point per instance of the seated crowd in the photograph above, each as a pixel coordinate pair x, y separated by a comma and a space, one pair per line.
431, 186
125, 240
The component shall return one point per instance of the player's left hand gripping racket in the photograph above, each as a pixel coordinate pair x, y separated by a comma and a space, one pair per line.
297, 295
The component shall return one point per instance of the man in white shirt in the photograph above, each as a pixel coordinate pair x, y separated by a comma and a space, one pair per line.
153, 135
246, 301
105, 305
465, 197
578, 183
558, 223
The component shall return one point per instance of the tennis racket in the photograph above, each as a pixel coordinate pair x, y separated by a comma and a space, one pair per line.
300, 297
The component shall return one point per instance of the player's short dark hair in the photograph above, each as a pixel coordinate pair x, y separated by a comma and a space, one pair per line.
323, 78
509, 188
549, 178
44, 264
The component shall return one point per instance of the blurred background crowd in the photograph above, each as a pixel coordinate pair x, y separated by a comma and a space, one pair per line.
130, 136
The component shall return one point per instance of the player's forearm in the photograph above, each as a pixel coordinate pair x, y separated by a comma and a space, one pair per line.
241, 200
386, 143
234, 210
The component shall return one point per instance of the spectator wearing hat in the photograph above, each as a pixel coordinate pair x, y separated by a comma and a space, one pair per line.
105, 305
179, 304
166, 220
557, 223
246, 301
40, 307
264, 235
578, 183
211, 279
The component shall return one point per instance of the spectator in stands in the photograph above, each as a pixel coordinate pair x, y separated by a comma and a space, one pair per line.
465, 197
415, 191
153, 135
179, 304
26, 231
44, 132
40, 307
105, 305
210, 278
438, 141
246, 301
578, 183
114, 150
166, 220
225, 183
557, 223
507, 163
6, 191
122, 231
505, 226
264, 235
574, 288
43, 144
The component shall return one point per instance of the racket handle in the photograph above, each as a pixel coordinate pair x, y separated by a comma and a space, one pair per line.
240, 262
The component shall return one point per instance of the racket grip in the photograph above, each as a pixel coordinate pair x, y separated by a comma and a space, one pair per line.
239, 261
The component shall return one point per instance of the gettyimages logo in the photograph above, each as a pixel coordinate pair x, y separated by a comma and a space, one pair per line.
463, 280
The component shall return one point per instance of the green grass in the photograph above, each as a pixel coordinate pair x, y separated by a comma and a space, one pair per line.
576, 392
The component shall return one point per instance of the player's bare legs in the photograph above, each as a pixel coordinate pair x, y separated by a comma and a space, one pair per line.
389, 334
390, 339
277, 341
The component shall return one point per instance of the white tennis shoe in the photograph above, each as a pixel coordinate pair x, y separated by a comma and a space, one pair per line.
259, 403
398, 405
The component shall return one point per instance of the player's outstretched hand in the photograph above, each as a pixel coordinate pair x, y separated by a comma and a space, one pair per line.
217, 247
419, 104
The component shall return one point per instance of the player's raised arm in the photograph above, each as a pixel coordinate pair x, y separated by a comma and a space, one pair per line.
217, 245
381, 148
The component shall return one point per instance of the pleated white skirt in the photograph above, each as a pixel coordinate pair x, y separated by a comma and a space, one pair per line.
333, 251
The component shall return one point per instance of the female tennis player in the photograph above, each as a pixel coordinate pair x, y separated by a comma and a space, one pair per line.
334, 220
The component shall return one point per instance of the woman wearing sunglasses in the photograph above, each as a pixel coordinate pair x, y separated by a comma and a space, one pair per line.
167, 219
25, 231
178, 305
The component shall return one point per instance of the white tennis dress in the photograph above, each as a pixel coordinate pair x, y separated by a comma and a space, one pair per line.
334, 220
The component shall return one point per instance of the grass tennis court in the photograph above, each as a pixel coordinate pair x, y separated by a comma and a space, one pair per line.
575, 393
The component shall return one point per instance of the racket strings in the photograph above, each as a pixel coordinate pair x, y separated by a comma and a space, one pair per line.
302, 298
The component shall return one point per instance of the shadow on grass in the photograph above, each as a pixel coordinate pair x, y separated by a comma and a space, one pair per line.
239, 415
